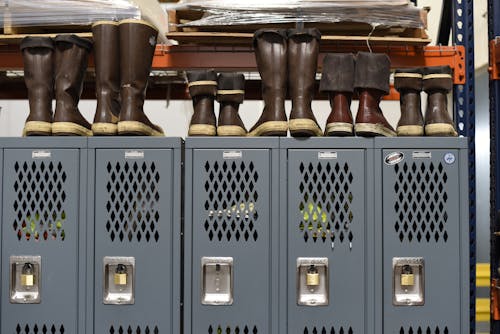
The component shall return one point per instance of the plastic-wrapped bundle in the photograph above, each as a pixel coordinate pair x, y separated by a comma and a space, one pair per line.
240, 12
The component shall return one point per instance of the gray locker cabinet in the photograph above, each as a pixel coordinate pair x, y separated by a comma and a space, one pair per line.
327, 213
44, 183
231, 209
422, 186
135, 199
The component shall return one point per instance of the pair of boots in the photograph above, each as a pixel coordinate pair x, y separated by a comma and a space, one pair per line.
123, 57
55, 67
229, 90
287, 58
367, 74
437, 83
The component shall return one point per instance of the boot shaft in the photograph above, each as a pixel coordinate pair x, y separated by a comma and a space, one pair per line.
372, 72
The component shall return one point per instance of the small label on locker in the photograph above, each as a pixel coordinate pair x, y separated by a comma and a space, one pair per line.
422, 155
41, 154
134, 154
327, 155
228, 155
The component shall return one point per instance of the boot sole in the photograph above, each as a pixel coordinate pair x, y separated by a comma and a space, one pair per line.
134, 128
271, 128
70, 129
37, 128
202, 130
410, 131
339, 129
373, 130
304, 127
104, 129
231, 131
440, 130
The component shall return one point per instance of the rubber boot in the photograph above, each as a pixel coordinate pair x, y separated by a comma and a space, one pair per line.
437, 83
38, 57
271, 56
338, 81
202, 88
107, 77
408, 83
230, 94
371, 80
137, 47
72, 54
303, 50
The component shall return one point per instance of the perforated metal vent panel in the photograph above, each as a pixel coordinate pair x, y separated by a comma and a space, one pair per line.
328, 330
245, 329
39, 329
134, 330
421, 203
424, 330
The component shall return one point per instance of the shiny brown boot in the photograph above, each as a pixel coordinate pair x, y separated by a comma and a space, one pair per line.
303, 49
137, 47
107, 77
38, 58
437, 83
230, 94
72, 54
202, 88
408, 82
371, 80
271, 56
338, 81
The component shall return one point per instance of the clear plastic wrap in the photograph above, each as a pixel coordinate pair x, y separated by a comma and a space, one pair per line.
243, 12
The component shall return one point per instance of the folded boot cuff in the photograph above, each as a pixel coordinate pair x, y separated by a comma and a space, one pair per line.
73, 39
203, 75
313, 32
231, 81
437, 70
261, 32
37, 42
198, 88
408, 79
372, 71
235, 96
338, 73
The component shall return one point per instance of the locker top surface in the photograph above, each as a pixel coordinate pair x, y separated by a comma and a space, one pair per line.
43, 142
422, 142
135, 142
232, 142
327, 143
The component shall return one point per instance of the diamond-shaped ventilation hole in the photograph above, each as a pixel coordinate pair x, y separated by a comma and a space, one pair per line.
424, 330
39, 329
40, 201
246, 329
328, 330
326, 201
133, 330
232, 201
133, 202
421, 202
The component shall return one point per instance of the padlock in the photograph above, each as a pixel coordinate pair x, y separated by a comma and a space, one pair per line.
312, 276
120, 279
27, 280
407, 280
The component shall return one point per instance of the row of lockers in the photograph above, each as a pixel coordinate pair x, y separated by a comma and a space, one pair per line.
243, 236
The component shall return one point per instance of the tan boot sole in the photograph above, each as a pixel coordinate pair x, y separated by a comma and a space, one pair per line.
339, 127
70, 129
104, 129
440, 130
410, 130
37, 128
202, 130
231, 130
374, 130
137, 129
304, 126
270, 128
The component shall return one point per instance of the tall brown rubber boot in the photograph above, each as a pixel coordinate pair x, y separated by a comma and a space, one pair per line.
38, 57
338, 81
437, 83
107, 77
371, 80
271, 56
303, 50
230, 94
202, 88
72, 54
137, 47
408, 82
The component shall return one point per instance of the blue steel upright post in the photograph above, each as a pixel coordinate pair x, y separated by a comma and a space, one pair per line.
464, 109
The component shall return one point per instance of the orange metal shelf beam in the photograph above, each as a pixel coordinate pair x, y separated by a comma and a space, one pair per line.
494, 68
